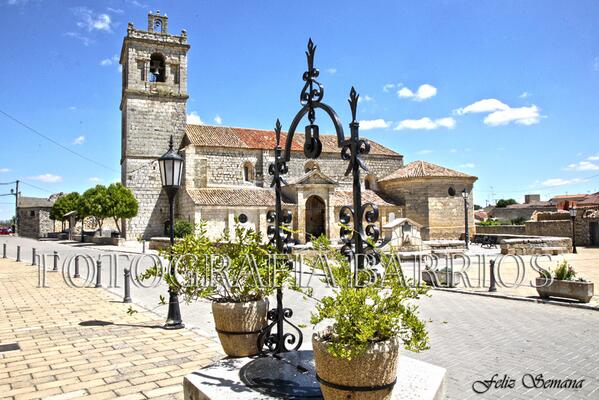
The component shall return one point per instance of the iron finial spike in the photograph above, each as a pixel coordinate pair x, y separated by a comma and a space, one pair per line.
278, 132
170, 143
353, 102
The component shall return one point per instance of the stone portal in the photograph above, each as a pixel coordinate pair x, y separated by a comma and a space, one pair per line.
315, 217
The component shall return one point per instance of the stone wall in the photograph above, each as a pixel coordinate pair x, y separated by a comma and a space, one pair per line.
529, 246
223, 166
34, 222
501, 229
509, 214
558, 228
427, 202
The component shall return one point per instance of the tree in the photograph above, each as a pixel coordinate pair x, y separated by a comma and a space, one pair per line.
502, 203
95, 203
64, 204
477, 207
122, 203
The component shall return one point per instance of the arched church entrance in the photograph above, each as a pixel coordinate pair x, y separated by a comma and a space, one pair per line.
315, 217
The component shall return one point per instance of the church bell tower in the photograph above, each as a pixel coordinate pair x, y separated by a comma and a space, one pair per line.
153, 107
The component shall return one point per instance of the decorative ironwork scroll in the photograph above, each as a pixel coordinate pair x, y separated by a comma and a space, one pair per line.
358, 241
279, 234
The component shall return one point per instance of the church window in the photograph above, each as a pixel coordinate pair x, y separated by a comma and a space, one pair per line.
310, 165
157, 68
158, 25
248, 172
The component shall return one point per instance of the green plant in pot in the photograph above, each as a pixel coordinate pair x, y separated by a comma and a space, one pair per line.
235, 273
357, 354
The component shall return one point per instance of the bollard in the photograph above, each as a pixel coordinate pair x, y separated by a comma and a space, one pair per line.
127, 298
18, 253
98, 274
55, 268
76, 267
492, 287
4, 250
143, 246
33, 256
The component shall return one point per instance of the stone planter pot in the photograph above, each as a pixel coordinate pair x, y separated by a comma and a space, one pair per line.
238, 326
440, 278
370, 376
581, 291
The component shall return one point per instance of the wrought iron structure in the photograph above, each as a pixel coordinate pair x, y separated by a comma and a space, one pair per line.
358, 240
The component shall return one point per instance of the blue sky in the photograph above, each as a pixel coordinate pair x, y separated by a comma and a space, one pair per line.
504, 90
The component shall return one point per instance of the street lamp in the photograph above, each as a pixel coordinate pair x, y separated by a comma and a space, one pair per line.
573, 216
465, 195
171, 168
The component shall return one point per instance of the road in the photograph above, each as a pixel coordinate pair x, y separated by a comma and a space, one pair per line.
473, 337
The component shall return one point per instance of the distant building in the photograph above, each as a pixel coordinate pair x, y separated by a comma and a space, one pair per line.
33, 216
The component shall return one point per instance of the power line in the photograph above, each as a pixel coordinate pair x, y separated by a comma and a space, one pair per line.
55, 142
38, 188
8, 183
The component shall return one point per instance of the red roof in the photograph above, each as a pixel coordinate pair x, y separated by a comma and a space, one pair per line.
248, 138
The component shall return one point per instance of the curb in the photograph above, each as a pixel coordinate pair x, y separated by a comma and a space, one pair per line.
518, 298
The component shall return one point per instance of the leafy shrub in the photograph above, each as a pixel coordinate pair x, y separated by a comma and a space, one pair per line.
518, 221
563, 272
183, 228
230, 270
363, 313
502, 203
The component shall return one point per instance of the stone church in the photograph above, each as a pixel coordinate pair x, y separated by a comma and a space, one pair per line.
226, 168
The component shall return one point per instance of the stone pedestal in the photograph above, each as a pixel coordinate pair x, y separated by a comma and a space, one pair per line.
291, 376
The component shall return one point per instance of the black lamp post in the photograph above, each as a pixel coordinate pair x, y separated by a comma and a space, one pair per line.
171, 168
465, 195
573, 216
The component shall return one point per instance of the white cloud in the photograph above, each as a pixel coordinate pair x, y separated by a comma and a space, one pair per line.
110, 61
521, 116
374, 124
425, 123
332, 70
425, 151
92, 21
483, 106
72, 108
84, 39
583, 166
594, 158
47, 178
4, 170
467, 165
388, 86
453, 150
501, 113
424, 92
366, 98
405, 92
561, 182
17, 2
596, 64
218, 119
95, 179
525, 95
194, 119
79, 140
115, 10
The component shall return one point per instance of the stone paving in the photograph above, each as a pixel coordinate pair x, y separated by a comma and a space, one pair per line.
473, 337
82, 343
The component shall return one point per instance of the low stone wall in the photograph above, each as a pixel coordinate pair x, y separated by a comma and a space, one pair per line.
501, 229
539, 245
558, 228
443, 244
160, 243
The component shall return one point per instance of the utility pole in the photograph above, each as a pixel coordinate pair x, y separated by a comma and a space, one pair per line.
16, 209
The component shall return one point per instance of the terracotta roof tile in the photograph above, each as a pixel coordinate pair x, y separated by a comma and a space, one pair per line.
590, 199
34, 202
345, 198
220, 196
423, 169
247, 138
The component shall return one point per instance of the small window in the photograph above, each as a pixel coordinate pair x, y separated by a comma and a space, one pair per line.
32, 213
248, 172
157, 25
243, 218
391, 217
